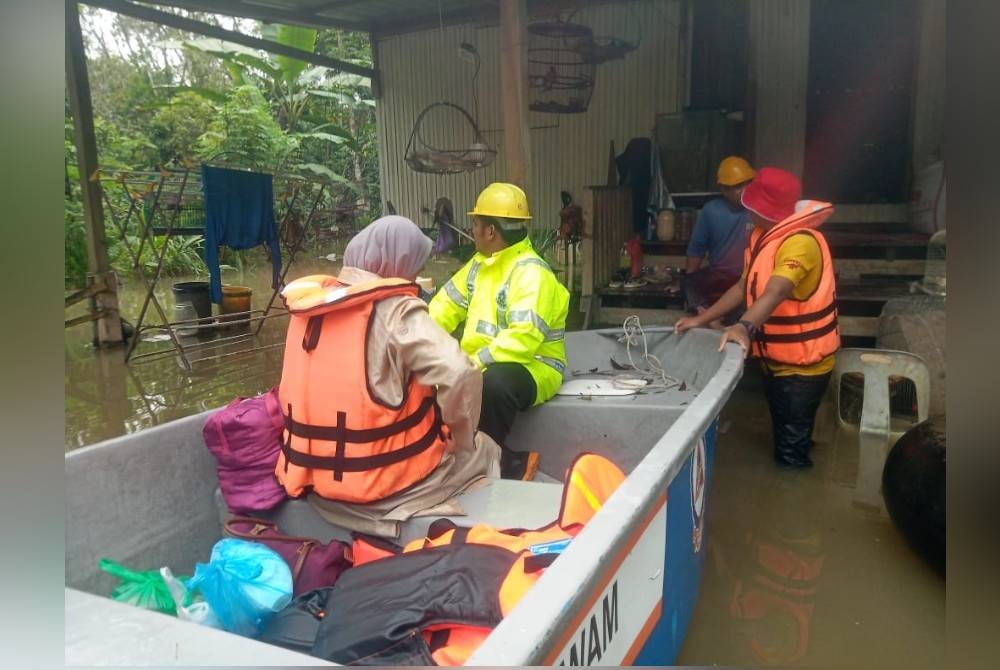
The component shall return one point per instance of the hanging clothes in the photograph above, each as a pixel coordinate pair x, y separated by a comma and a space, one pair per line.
659, 194
634, 170
239, 214
444, 219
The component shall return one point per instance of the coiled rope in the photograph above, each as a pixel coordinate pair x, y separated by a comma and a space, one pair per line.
632, 336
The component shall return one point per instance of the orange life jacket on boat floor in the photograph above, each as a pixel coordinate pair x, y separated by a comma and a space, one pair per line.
339, 440
590, 481
798, 332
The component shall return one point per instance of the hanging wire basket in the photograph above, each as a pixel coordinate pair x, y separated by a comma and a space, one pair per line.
560, 76
422, 156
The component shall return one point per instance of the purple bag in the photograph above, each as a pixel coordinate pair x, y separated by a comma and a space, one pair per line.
313, 565
245, 438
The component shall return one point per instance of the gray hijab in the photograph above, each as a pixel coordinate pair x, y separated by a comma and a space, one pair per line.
392, 246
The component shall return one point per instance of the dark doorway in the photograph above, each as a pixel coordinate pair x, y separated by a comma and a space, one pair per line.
860, 89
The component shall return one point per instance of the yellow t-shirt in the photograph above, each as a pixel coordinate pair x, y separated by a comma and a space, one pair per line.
800, 261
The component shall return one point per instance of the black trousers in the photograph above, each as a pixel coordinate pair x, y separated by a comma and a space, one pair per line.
508, 388
793, 400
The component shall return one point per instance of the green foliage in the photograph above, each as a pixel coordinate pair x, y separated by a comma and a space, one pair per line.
244, 130
75, 241
300, 38
177, 126
163, 95
75, 244
182, 256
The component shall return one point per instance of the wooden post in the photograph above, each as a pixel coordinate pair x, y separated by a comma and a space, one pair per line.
514, 93
108, 328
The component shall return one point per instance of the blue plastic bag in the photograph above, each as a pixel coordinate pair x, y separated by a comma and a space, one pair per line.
244, 583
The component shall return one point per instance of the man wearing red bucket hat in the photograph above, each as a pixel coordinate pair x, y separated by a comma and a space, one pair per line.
790, 322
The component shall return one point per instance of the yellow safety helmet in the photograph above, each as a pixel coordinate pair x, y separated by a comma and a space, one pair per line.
734, 170
503, 200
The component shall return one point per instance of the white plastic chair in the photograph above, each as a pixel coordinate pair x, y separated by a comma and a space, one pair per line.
877, 366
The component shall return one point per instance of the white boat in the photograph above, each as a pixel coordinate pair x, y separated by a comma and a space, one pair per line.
622, 593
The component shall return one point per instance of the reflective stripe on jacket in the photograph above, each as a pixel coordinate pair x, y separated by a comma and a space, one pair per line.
340, 441
514, 311
798, 332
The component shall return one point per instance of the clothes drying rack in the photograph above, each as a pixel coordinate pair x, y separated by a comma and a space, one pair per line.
155, 206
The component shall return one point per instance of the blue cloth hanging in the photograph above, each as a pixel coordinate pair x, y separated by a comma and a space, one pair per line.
239, 214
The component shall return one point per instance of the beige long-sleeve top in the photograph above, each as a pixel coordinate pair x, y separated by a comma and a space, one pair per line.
406, 341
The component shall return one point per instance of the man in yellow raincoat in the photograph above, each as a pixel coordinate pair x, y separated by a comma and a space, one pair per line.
514, 310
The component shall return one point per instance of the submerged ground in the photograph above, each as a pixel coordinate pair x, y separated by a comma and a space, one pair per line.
795, 573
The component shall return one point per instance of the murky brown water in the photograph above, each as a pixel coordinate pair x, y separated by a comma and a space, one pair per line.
864, 597
106, 398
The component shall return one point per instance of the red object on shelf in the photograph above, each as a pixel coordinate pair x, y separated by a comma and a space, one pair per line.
634, 249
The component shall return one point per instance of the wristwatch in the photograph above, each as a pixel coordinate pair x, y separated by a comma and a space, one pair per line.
752, 330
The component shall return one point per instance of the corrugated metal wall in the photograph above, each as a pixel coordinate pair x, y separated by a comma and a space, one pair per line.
568, 152
779, 66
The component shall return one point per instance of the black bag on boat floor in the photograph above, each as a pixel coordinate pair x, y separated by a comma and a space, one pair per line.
296, 626
376, 612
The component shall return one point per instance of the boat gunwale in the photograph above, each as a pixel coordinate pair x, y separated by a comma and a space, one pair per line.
558, 595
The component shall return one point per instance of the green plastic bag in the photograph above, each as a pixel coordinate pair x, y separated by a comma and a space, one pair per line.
142, 589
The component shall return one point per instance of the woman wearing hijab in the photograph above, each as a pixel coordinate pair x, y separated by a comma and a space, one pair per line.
380, 404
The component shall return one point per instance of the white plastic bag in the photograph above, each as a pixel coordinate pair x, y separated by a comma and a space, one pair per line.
198, 611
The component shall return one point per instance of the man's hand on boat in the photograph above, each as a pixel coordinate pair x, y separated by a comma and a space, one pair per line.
736, 333
686, 323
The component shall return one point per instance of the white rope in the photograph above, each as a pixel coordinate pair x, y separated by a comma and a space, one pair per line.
632, 335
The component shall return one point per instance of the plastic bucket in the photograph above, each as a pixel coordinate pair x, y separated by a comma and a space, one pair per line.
184, 311
194, 293
235, 306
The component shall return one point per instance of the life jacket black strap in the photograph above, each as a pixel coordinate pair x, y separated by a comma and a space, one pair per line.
340, 432
804, 336
799, 319
439, 638
339, 463
314, 327
439, 527
460, 534
538, 562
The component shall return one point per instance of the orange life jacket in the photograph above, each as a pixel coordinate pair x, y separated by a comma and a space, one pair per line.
340, 441
798, 332
590, 481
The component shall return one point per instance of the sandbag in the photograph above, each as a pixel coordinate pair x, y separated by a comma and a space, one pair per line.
917, 324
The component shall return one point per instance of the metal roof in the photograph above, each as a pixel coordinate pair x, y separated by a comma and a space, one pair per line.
381, 16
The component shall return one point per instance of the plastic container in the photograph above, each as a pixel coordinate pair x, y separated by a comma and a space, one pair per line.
185, 312
665, 225
234, 309
685, 223
194, 293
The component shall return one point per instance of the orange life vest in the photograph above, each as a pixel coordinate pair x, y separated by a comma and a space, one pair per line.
590, 481
340, 441
798, 332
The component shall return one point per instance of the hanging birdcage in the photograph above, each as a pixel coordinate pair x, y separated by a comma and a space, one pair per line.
560, 76
423, 156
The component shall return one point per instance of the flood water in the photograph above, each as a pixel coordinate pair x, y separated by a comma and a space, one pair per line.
862, 596
105, 397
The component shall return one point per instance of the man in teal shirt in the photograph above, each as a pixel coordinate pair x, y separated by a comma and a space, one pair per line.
720, 233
